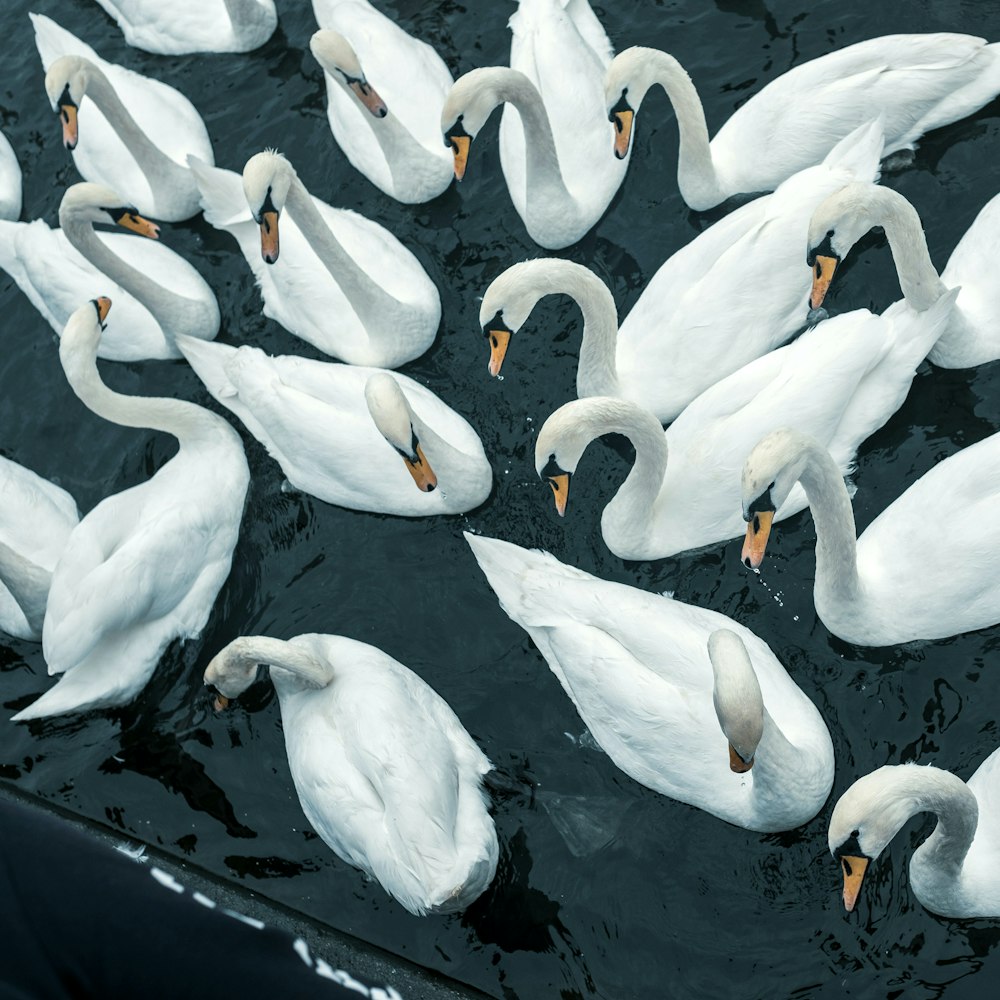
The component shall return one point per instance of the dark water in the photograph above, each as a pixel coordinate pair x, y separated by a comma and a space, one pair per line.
677, 903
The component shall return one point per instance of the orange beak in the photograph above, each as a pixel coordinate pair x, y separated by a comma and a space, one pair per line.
366, 94
220, 702
420, 469
822, 276
854, 873
499, 341
623, 131
103, 308
70, 127
737, 763
560, 489
135, 222
460, 147
758, 531
269, 237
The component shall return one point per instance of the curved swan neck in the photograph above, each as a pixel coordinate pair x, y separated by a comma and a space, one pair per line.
642, 68
629, 512
159, 169
918, 278
836, 533
175, 313
367, 297
597, 371
28, 583
245, 653
185, 421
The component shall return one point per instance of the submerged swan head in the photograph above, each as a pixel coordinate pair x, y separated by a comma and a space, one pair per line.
267, 176
393, 417
737, 697
334, 53
471, 101
96, 203
231, 671
838, 222
771, 470
65, 83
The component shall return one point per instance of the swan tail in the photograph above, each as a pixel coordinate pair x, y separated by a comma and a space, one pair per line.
53, 41
220, 193
860, 152
517, 575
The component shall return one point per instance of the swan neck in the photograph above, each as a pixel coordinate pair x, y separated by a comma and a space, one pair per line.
28, 584
836, 533
159, 169
174, 313
958, 816
696, 173
543, 177
185, 421
367, 297
597, 372
918, 279
281, 655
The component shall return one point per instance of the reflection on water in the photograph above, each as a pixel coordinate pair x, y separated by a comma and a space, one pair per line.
604, 888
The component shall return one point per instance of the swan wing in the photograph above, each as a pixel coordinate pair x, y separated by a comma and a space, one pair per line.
10, 181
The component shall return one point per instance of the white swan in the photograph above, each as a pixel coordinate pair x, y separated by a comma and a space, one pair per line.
915, 82
553, 138
664, 686
184, 26
972, 337
340, 281
126, 131
144, 566
839, 383
876, 590
349, 435
384, 770
10, 181
36, 518
385, 90
158, 294
956, 871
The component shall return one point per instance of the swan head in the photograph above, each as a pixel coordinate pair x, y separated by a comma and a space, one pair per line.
625, 86
334, 53
95, 203
471, 101
736, 695
771, 470
65, 83
267, 176
506, 304
393, 417
560, 444
231, 671
82, 332
837, 223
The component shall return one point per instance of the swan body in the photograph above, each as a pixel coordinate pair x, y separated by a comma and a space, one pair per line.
876, 590
339, 432
36, 518
838, 383
145, 565
341, 282
956, 871
10, 181
554, 133
916, 82
391, 133
664, 686
384, 770
732, 294
186, 26
158, 294
126, 131
972, 337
